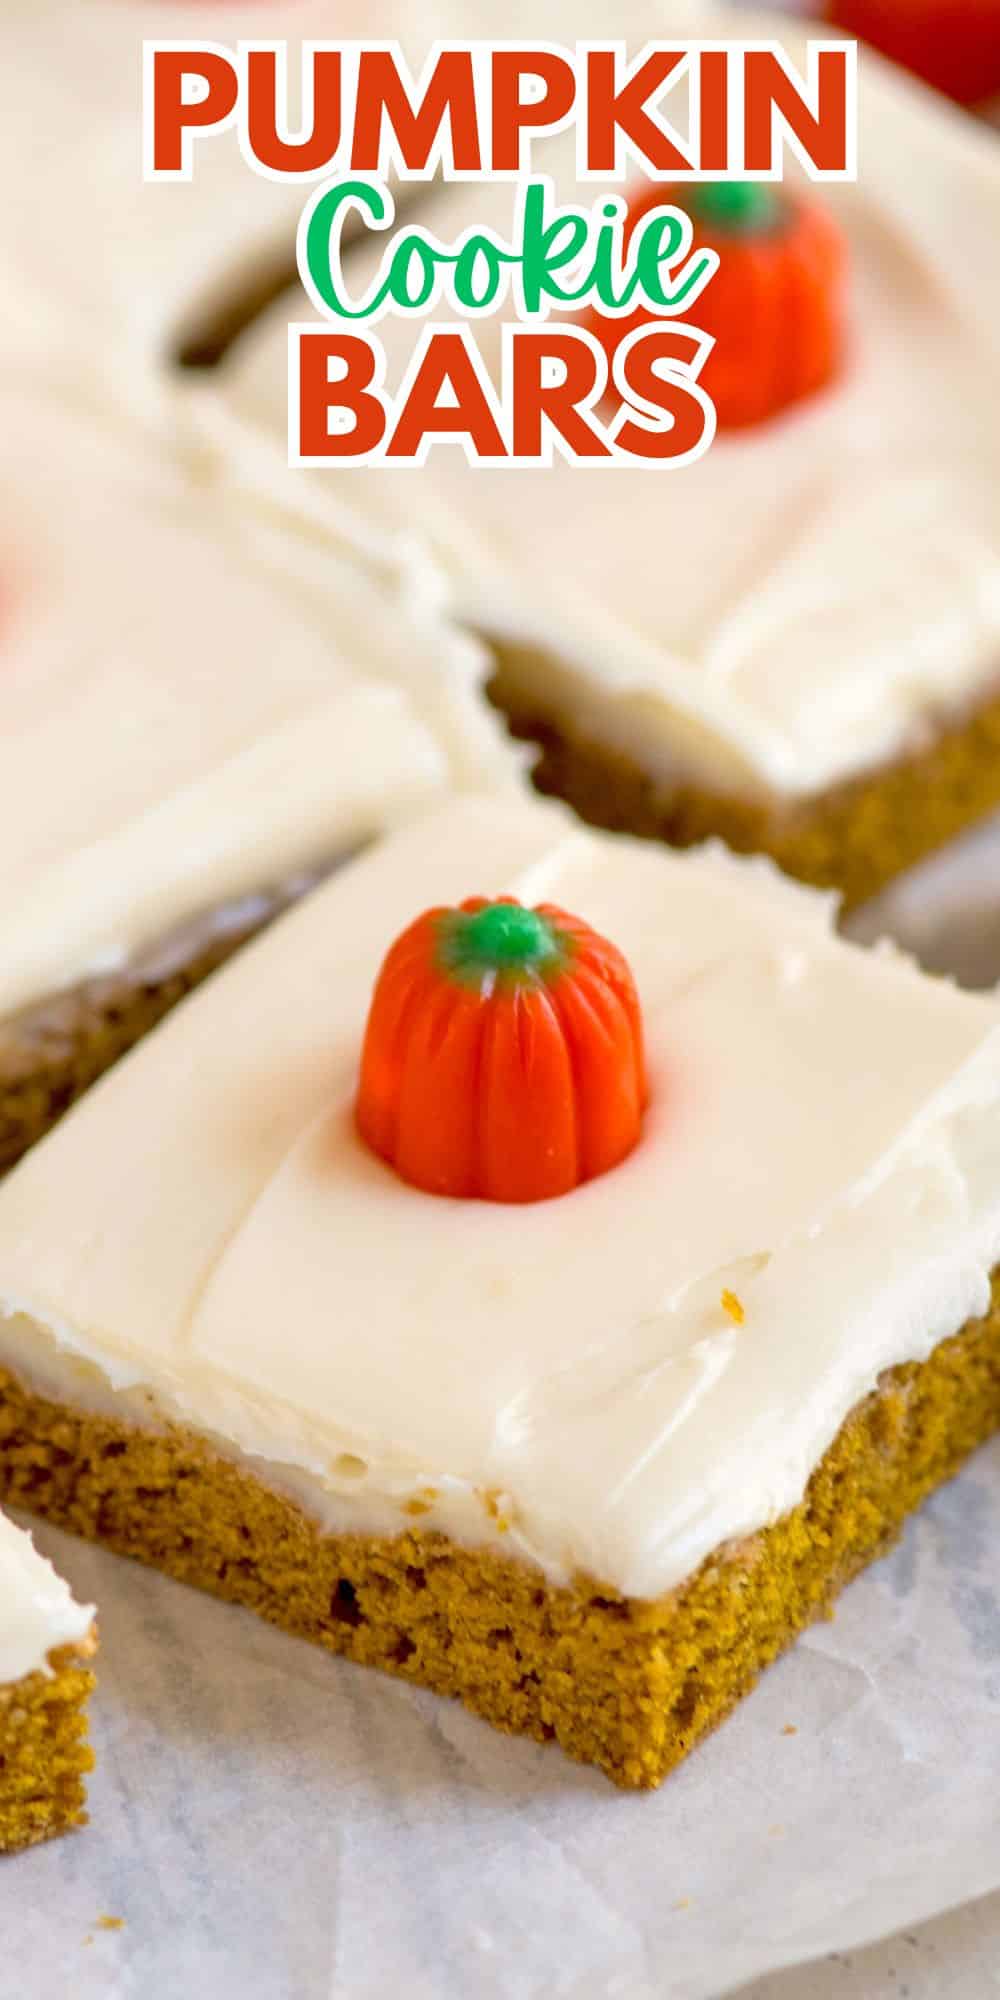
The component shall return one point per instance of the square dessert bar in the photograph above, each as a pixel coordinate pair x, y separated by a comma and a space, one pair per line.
588, 1462
196, 719
793, 643
46, 1643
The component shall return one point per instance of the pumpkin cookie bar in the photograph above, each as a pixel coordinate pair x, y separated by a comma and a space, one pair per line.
46, 1643
197, 718
462, 1325
793, 643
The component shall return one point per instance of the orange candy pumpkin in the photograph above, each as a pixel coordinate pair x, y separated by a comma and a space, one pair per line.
503, 1056
775, 307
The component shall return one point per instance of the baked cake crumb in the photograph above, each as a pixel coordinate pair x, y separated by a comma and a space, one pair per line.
628, 1684
44, 1754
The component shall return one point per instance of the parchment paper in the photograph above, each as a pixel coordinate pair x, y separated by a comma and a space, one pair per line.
272, 1824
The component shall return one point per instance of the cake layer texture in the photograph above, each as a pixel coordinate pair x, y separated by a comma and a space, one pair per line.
232, 1334
46, 1644
855, 838
44, 1755
626, 1684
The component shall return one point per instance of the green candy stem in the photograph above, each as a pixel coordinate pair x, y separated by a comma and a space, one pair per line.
747, 207
500, 938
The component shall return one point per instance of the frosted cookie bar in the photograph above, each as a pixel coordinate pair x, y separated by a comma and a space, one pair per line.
200, 714
586, 1459
795, 641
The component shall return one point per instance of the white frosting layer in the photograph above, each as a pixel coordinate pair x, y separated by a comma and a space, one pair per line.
86, 243
205, 1237
814, 596
37, 1609
194, 705
84, 237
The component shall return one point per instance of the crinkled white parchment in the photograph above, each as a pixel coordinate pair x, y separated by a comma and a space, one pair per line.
273, 1824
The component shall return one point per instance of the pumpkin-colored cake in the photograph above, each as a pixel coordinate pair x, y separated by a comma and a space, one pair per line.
287, 1309
46, 1643
200, 715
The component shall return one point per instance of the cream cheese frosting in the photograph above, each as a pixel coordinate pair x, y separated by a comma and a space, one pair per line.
85, 240
38, 1612
194, 706
205, 1238
812, 598
143, 266
138, 264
